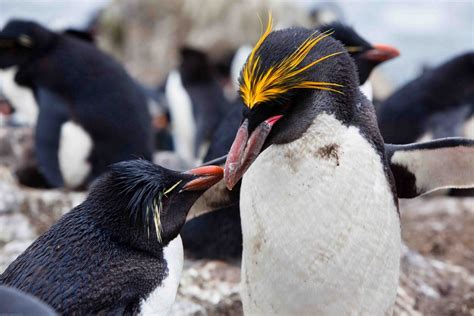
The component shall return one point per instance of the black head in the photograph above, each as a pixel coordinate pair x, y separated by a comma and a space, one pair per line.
146, 205
20, 41
194, 67
290, 76
366, 55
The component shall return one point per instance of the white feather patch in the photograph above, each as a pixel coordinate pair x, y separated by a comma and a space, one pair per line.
75, 146
367, 90
182, 118
469, 128
21, 98
440, 168
159, 301
321, 232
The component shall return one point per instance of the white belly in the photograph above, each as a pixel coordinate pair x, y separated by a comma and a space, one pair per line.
159, 301
75, 146
321, 232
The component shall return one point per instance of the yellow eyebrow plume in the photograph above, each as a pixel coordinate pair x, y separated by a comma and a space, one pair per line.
257, 87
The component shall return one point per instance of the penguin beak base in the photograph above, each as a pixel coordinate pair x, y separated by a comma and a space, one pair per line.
207, 176
245, 150
381, 53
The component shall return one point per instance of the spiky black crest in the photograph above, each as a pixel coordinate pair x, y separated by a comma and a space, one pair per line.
142, 186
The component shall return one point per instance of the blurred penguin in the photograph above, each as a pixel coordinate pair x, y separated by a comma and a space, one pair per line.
438, 103
196, 104
93, 113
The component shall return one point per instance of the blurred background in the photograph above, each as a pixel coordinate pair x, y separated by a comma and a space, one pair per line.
153, 39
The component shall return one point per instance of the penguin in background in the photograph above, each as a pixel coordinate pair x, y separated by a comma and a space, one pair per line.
447, 90
318, 197
365, 55
196, 103
119, 252
108, 117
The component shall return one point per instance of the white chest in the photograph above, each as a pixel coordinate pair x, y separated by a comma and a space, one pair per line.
159, 301
75, 146
182, 119
321, 232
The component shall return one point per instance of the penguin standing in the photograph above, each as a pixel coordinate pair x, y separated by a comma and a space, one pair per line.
440, 99
118, 252
196, 103
318, 201
107, 111
366, 57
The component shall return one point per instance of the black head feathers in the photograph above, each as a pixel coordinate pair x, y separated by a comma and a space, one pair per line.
21, 40
147, 201
366, 55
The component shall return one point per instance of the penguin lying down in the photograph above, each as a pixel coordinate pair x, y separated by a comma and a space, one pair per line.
120, 250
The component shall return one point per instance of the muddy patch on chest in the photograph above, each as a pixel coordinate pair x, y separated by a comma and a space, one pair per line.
329, 152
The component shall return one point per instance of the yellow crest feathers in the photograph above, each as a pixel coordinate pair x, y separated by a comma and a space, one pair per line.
257, 87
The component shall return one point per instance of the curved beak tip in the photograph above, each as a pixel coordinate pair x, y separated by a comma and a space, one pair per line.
207, 176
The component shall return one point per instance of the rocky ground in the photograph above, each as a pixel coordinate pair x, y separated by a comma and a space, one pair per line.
437, 262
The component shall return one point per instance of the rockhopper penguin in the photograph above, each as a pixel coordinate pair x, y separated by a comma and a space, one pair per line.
107, 113
119, 251
318, 201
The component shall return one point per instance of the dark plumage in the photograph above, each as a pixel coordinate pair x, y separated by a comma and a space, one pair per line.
410, 112
366, 55
207, 98
105, 255
215, 235
93, 88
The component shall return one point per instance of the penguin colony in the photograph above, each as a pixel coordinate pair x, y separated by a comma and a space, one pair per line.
309, 184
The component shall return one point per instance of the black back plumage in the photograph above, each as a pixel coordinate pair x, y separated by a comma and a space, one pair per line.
104, 255
405, 115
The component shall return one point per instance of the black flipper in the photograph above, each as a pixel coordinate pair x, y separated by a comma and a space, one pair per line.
424, 167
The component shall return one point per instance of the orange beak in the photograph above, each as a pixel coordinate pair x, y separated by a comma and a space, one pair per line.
381, 53
207, 176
